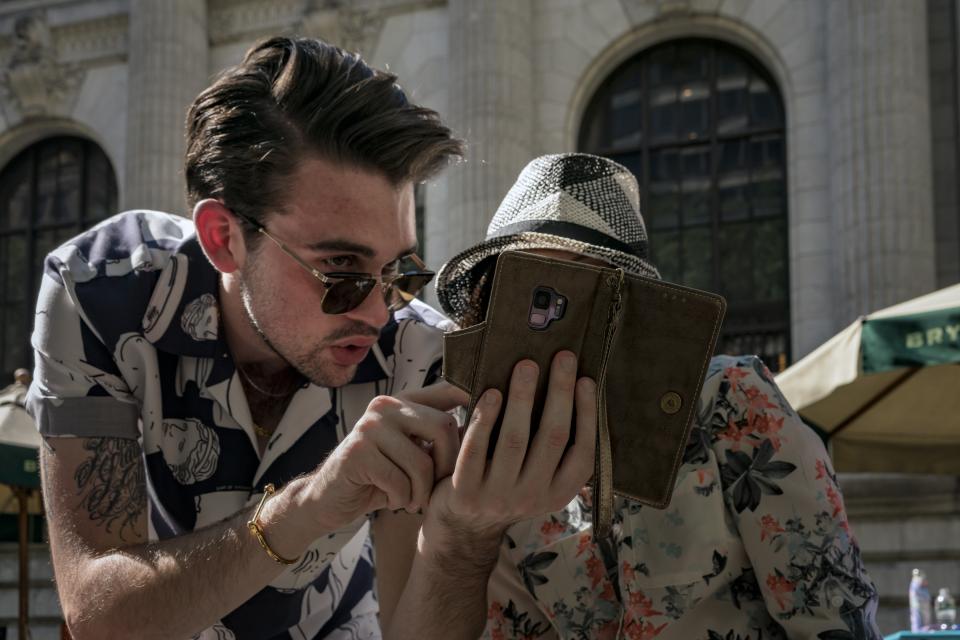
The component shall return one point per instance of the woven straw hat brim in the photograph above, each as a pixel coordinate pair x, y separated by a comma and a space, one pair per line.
457, 279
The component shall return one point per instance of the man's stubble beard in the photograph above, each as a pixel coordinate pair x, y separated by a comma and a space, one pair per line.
309, 365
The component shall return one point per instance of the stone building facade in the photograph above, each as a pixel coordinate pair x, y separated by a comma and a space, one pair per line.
866, 91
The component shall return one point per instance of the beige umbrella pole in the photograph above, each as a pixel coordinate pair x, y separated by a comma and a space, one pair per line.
22, 495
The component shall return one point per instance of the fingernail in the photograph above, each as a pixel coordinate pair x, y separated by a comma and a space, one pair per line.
528, 372
490, 398
587, 384
568, 362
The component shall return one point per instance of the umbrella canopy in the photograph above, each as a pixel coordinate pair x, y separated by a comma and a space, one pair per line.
886, 390
19, 440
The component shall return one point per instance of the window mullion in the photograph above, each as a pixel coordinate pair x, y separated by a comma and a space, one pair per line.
714, 166
85, 151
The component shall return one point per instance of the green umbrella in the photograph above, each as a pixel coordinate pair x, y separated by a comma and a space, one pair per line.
19, 441
885, 391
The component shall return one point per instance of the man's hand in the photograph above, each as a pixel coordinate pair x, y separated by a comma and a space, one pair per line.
445, 595
392, 458
483, 498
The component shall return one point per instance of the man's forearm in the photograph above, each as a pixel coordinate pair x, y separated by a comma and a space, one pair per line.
446, 594
176, 588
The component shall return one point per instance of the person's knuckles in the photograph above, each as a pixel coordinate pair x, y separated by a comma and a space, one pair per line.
513, 443
472, 450
358, 444
556, 437
383, 405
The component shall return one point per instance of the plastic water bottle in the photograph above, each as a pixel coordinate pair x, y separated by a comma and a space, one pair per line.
920, 611
945, 609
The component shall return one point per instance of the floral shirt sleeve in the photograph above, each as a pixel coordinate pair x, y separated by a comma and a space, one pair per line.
754, 544
780, 487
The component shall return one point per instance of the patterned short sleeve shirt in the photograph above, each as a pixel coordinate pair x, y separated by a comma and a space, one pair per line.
755, 544
128, 345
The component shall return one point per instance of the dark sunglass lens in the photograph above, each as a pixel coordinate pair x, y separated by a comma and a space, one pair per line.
347, 294
405, 288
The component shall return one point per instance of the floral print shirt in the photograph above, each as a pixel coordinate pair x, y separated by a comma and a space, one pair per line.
754, 545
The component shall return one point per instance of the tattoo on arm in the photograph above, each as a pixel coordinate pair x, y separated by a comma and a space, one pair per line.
112, 484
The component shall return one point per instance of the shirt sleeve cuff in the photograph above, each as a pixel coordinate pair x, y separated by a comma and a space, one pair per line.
89, 417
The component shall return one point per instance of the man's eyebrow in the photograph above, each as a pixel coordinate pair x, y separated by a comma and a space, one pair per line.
348, 246
345, 246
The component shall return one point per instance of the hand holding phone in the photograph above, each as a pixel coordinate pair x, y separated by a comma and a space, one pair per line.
530, 473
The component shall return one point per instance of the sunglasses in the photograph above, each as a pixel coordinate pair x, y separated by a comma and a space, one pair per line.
344, 292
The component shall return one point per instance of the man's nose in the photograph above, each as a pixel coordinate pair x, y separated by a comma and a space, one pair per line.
373, 310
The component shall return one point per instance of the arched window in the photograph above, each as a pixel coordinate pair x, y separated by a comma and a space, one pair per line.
701, 125
48, 193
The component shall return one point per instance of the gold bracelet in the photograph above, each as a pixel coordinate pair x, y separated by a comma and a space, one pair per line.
255, 529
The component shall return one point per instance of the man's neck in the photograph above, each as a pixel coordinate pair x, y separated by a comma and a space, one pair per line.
247, 347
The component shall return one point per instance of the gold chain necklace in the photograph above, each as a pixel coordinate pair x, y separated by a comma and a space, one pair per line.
258, 388
260, 431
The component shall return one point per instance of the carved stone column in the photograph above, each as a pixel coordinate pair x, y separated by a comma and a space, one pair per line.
880, 155
491, 106
167, 69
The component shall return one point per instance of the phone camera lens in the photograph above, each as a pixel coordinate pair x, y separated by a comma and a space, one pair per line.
541, 300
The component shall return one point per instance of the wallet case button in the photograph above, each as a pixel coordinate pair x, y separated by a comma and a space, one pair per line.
670, 402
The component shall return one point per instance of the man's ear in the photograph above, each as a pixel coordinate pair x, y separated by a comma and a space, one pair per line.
220, 235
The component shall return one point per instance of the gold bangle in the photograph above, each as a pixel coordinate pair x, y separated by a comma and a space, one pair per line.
255, 529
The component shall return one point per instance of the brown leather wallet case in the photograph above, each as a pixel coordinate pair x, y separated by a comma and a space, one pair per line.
646, 342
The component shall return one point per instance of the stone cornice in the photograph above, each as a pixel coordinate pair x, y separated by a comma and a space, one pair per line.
353, 25
232, 21
77, 39
99, 41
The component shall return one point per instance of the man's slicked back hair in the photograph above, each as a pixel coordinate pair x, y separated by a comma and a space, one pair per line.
295, 98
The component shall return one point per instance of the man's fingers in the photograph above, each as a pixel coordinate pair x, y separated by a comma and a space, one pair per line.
440, 430
423, 423
472, 461
442, 396
553, 432
515, 429
389, 479
577, 464
414, 462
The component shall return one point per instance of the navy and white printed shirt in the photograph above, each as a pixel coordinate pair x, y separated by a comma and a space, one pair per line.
127, 345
